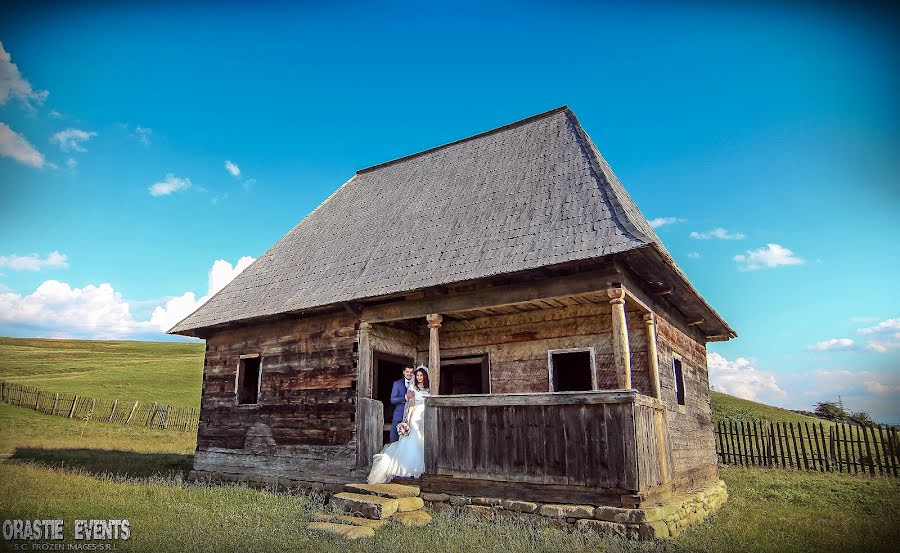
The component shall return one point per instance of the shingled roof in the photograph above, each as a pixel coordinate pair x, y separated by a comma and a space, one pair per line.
530, 194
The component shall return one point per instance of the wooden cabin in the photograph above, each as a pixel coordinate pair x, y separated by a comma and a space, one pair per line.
567, 349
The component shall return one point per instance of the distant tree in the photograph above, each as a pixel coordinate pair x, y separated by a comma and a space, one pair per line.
831, 410
861, 417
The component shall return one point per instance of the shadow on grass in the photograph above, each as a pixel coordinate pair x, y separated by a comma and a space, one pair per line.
99, 461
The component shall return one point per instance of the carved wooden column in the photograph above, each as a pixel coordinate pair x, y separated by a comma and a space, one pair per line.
652, 356
621, 351
364, 361
434, 351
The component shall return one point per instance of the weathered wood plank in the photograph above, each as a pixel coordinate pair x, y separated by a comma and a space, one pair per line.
431, 429
526, 491
865, 436
370, 436
555, 398
574, 443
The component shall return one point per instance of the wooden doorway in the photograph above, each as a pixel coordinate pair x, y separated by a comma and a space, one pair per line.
387, 369
465, 375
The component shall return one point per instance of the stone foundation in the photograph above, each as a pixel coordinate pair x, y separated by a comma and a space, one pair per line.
668, 520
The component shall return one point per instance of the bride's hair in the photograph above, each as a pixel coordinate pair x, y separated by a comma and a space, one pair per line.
425, 381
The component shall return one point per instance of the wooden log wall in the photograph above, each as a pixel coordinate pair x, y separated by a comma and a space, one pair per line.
395, 341
572, 445
305, 418
517, 344
691, 428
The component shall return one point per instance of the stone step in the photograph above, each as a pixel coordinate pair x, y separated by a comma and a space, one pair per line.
345, 519
395, 491
406, 504
369, 506
412, 518
346, 531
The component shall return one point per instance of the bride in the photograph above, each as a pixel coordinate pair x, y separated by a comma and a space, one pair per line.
406, 456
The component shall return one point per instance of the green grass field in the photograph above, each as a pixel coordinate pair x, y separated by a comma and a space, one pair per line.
69, 469
164, 372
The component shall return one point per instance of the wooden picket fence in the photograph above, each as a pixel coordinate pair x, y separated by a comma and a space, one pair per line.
73, 406
817, 446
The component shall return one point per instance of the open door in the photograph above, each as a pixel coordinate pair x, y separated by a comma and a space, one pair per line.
387, 369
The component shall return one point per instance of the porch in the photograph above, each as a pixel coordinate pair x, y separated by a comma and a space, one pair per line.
600, 447
600, 437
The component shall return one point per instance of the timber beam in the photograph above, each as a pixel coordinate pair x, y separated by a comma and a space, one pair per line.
495, 296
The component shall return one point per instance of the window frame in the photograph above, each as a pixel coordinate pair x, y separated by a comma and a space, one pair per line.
486, 376
237, 380
680, 360
550, 371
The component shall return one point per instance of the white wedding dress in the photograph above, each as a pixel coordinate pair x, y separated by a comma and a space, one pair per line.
406, 456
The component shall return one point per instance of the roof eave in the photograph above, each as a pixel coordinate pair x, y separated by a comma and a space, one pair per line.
727, 332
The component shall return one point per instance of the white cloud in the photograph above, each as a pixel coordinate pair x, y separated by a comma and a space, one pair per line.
14, 146
877, 387
169, 185
232, 168
694, 255
13, 85
888, 327
57, 308
834, 344
71, 164
663, 221
881, 347
877, 392
847, 382
739, 378
100, 312
143, 134
884, 337
718, 233
772, 255
33, 262
70, 140
177, 308
834, 372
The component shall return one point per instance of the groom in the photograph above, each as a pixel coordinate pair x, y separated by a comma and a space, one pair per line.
399, 394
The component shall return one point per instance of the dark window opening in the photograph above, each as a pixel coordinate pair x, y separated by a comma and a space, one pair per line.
679, 382
465, 375
248, 381
571, 371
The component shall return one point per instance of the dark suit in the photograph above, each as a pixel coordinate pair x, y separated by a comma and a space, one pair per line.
398, 400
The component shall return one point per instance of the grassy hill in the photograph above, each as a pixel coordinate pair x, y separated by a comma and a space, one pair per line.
725, 406
165, 372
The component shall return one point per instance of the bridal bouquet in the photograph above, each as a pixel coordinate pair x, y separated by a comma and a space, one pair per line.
403, 427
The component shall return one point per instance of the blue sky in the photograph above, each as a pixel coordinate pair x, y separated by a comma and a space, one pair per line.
778, 126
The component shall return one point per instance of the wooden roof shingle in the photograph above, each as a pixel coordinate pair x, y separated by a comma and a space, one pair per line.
529, 194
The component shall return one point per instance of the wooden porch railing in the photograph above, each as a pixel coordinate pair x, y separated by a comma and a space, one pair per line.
614, 442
